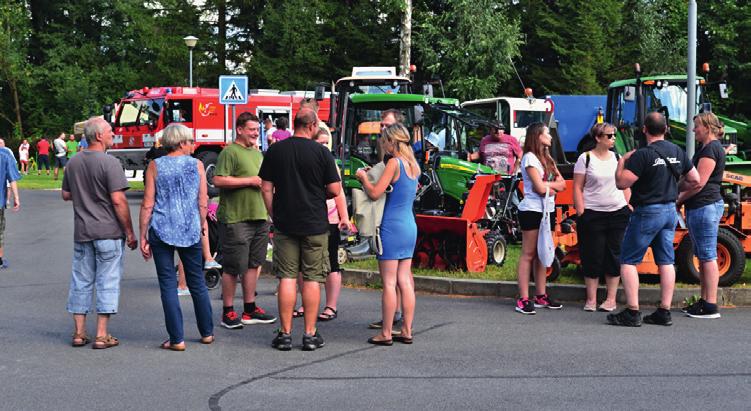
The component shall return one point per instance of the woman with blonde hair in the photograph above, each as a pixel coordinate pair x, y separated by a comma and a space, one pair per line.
603, 213
540, 175
398, 231
704, 208
173, 212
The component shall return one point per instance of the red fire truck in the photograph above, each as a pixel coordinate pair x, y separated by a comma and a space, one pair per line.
142, 114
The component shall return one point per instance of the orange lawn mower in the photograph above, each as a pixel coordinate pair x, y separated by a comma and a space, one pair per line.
733, 241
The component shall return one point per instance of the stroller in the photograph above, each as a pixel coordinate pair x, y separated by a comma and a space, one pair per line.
213, 275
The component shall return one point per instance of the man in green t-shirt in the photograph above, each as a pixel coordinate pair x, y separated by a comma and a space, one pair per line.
71, 145
244, 222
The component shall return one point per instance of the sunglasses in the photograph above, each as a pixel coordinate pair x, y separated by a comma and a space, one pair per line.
610, 136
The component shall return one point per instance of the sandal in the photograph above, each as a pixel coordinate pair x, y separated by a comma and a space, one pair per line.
298, 313
79, 340
207, 339
166, 345
107, 341
402, 339
327, 317
385, 343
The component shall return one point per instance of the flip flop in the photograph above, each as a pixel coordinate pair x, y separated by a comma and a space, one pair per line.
298, 313
327, 317
166, 345
207, 339
402, 339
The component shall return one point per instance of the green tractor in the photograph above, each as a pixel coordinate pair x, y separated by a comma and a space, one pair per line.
628, 101
447, 175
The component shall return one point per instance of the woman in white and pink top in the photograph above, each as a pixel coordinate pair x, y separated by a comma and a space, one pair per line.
603, 214
23, 156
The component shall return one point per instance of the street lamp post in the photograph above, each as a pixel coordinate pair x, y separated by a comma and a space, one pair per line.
190, 41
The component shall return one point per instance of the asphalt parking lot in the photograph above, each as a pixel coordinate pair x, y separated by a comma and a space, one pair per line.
469, 353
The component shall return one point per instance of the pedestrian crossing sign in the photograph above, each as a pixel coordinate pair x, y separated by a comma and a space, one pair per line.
233, 89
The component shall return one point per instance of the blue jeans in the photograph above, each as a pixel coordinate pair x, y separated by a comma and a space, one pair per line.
97, 262
650, 225
703, 225
191, 257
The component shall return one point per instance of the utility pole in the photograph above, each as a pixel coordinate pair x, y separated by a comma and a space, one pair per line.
691, 78
405, 40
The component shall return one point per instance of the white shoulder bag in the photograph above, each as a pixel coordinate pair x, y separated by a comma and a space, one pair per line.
545, 246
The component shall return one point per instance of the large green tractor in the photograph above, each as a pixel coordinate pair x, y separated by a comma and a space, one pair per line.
628, 101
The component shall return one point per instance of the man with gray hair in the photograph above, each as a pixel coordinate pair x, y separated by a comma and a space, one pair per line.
8, 176
102, 226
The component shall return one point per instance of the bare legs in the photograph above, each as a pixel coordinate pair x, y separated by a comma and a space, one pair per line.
611, 287
333, 289
709, 277
527, 260
631, 285
249, 281
101, 324
397, 273
311, 296
181, 283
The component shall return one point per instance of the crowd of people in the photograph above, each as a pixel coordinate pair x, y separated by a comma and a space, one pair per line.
623, 204
62, 150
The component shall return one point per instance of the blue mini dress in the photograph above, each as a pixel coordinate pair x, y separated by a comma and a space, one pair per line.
398, 229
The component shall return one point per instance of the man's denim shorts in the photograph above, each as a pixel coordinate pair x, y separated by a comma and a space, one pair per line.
703, 224
650, 225
100, 263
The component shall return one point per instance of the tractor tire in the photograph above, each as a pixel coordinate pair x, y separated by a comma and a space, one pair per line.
553, 271
731, 259
496, 248
208, 158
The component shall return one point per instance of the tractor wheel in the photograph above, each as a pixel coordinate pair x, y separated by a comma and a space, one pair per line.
496, 248
731, 259
554, 270
208, 158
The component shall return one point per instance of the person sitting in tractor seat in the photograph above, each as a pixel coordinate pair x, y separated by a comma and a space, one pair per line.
499, 151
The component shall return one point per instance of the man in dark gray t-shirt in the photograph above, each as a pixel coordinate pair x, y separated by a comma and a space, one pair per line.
102, 226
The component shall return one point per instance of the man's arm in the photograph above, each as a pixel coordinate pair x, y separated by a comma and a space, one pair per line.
624, 178
230, 182
267, 192
16, 200
122, 211
333, 189
67, 196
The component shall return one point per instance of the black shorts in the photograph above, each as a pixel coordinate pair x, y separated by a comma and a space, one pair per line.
44, 161
334, 239
243, 245
530, 220
600, 234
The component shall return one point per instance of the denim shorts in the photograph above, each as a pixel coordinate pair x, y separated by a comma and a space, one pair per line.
96, 263
650, 225
703, 224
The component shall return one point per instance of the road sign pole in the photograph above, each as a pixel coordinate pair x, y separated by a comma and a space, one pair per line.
234, 120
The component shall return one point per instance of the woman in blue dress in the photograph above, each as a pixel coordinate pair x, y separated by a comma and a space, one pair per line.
398, 231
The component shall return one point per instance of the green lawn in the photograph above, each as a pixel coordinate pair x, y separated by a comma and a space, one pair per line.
47, 182
508, 272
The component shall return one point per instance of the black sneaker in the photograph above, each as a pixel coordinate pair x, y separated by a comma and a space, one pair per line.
661, 316
525, 306
258, 316
625, 318
544, 301
231, 320
703, 310
691, 306
282, 341
312, 342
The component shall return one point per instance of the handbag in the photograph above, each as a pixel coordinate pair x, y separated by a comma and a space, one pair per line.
545, 246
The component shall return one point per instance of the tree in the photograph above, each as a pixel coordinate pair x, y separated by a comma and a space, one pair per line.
14, 34
467, 43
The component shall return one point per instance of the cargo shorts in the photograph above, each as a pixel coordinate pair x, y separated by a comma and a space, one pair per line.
243, 245
308, 255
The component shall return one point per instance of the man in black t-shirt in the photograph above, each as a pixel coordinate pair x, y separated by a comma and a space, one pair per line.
298, 176
654, 173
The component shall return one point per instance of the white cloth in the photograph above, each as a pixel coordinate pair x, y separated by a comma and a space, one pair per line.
600, 192
368, 213
533, 201
61, 150
23, 152
545, 245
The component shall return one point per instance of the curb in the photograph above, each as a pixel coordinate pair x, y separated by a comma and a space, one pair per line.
563, 292
648, 296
